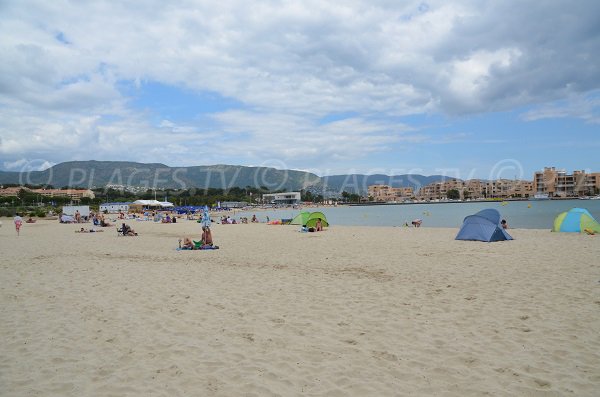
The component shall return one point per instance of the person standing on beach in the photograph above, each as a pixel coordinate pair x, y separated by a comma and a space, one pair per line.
18, 223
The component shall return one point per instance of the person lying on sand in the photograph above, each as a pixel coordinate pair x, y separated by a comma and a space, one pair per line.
82, 230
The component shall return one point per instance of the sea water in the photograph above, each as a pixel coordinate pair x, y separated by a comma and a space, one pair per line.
518, 214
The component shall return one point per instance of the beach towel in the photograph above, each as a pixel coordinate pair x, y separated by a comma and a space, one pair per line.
214, 247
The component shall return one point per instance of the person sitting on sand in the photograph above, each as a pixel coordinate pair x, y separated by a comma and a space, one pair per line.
127, 230
207, 239
319, 225
103, 223
254, 219
30, 220
188, 244
504, 224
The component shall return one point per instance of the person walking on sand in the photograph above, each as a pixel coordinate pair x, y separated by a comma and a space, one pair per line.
18, 223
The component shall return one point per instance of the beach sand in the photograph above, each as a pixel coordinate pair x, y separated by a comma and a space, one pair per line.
347, 312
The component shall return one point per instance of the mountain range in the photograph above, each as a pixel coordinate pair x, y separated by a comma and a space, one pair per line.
99, 174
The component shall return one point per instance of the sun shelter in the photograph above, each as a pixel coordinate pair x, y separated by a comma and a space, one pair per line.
576, 220
313, 217
300, 219
483, 226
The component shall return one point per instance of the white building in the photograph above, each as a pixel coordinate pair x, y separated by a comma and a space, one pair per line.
287, 198
233, 204
114, 207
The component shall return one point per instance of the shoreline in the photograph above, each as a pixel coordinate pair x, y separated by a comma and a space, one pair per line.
9, 221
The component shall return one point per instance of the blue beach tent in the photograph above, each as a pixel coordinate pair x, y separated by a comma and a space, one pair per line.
483, 226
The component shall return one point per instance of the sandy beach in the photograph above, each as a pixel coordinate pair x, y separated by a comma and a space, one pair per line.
352, 311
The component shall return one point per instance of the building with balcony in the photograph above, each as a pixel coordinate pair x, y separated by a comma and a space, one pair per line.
73, 194
557, 183
386, 193
476, 189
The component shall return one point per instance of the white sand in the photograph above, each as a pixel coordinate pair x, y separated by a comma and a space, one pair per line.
350, 311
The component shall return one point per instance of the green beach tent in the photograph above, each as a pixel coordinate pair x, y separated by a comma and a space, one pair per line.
301, 218
576, 220
314, 216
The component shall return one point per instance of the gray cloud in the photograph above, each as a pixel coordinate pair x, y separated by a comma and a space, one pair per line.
289, 65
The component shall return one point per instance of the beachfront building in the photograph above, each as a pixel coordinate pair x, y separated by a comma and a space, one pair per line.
73, 194
439, 190
286, 198
11, 191
557, 183
508, 188
386, 193
113, 208
476, 189
233, 204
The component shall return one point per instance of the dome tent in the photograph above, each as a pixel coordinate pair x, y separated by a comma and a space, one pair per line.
301, 218
483, 226
314, 216
309, 219
576, 220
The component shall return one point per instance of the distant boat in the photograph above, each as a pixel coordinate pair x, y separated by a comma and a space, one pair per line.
541, 196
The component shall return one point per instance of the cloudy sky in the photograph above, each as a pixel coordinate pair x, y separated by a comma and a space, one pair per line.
464, 88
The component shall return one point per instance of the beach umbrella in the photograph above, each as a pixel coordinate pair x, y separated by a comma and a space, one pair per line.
205, 217
576, 220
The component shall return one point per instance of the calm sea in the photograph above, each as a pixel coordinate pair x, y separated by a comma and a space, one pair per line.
518, 214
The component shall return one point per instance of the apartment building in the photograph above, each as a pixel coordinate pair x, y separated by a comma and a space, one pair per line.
386, 193
439, 190
73, 194
557, 183
477, 189
508, 188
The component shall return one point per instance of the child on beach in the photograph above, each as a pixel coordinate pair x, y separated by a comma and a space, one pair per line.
18, 223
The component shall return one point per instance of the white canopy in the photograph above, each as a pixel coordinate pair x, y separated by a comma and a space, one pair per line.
153, 203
